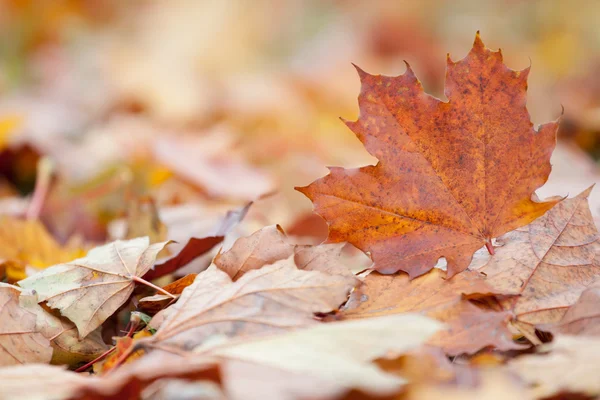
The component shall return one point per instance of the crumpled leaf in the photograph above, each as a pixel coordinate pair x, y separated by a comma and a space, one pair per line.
451, 175
269, 245
469, 328
90, 289
27, 243
582, 318
571, 366
21, 339
272, 299
548, 263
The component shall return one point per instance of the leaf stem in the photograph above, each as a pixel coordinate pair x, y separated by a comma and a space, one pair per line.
489, 247
153, 286
95, 360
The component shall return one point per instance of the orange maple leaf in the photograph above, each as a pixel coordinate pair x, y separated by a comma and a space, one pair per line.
451, 175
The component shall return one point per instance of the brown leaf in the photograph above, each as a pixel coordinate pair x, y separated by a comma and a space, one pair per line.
197, 246
571, 366
582, 318
21, 340
451, 175
68, 348
548, 263
91, 289
470, 328
261, 248
272, 299
269, 245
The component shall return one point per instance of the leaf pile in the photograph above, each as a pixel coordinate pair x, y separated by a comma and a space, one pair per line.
271, 317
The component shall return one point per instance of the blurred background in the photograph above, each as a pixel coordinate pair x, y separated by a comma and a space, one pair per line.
197, 107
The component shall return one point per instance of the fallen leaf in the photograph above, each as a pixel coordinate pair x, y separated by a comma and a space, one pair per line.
163, 389
249, 253
582, 318
272, 299
548, 263
197, 246
90, 289
21, 340
571, 366
451, 175
68, 348
40, 382
324, 361
270, 244
27, 243
469, 328
123, 345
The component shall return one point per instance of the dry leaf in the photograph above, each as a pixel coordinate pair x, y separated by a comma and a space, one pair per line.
324, 361
582, 318
451, 175
21, 340
272, 299
68, 348
269, 245
548, 263
261, 248
27, 243
90, 289
470, 328
571, 366
40, 382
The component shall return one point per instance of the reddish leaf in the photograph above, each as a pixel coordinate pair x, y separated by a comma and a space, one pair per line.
451, 175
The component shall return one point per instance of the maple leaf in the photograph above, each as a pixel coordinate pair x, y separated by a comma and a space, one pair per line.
570, 366
21, 340
323, 361
470, 328
272, 299
582, 318
40, 382
548, 263
67, 347
269, 245
90, 289
27, 243
451, 175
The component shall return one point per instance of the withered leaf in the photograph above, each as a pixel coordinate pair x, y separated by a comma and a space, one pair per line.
68, 348
21, 340
90, 289
40, 382
469, 328
548, 263
324, 361
582, 318
571, 366
451, 175
270, 244
272, 299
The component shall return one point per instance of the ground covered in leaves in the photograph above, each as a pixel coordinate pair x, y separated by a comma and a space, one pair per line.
437, 272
